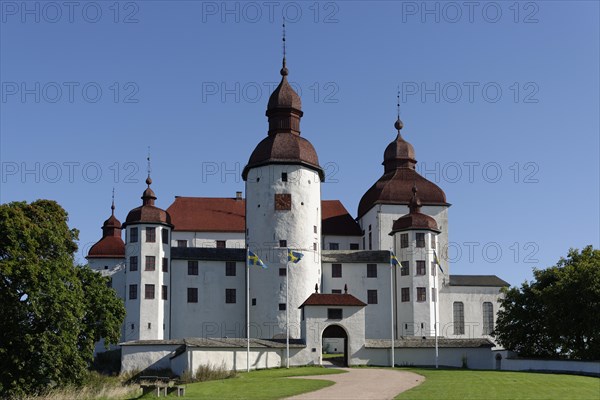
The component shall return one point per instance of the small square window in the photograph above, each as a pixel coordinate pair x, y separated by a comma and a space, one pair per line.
283, 243
165, 235
282, 272
404, 240
150, 235
334, 246
230, 296
192, 267
404, 268
221, 244
421, 294
149, 292
336, 270
315, 228
165, 264
230, 268
405, 294
281, 306
334, 313
284, 177
336, 291
133, 292
254, 302
372, 296
353, 246
421, 267
133, 235
192, 295
182, 243
420, 237
165, 292
150, 263
133, 263
371, 270
314, 246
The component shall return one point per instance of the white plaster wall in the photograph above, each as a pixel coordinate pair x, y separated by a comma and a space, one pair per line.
476, 358
141, 311
343, 241
354, 275
139, 358
211, 316
235, 240
473, 299
353, 322
334, 346
266, 227
519, 364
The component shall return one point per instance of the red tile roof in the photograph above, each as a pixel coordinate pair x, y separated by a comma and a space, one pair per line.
108, 247
221, 214
321, 299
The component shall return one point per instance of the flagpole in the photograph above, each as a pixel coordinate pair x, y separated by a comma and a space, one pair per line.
435, 313
392, 305
247, 312
287, 322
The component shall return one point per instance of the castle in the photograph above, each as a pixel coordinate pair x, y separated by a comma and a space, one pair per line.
182, 272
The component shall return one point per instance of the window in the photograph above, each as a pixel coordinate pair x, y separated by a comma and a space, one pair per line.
371, 296
283, 202
281, 306
405, 294
488, 318
353, 246
334, 313
420, 267
336, 270
150, 235
282, 272
404, 240
132, 292
182, 243
420, 239
133, 235
150, 263
315, 228
370, 240
314, 246
229, 296
149, 325
149, 292
192, 267
421, 294
336, 291
254, 301
433, 295
334, 246
164, 292
404, 268
284, 177
192, 295
133, 263
371, 270
165, 264
221, 244
165, 235
230, 269
432, 241
458, 310
283, 243
433, 265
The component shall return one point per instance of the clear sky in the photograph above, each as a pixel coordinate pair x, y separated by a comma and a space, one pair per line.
500, 100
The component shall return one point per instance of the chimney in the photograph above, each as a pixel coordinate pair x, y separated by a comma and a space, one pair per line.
238, 195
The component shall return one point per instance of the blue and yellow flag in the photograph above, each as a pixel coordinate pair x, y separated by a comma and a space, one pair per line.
437, 261
393, 260
294, 256
254, 260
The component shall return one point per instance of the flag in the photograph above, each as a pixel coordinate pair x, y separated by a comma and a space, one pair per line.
254, 260
294, 256
393, 260
437, 261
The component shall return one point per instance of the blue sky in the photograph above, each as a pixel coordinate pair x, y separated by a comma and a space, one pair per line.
499, 99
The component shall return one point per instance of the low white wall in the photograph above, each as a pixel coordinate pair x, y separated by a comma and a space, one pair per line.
519, 364
476, 358
138, 358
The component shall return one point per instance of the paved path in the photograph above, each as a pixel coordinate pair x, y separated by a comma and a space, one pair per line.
363, 384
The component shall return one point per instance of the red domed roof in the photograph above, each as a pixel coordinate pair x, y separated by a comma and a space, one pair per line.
148, 212
394, 186
111, 245
415, 219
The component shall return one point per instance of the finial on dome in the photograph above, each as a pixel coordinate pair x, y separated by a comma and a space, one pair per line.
345, 288
112, 206
398, 124
284, 70
148, 179
415, 203
316, 288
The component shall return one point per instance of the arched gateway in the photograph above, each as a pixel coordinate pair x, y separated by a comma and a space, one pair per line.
337, 332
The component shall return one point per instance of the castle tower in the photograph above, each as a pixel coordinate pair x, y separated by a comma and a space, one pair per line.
148, 260
283, 210
417, 279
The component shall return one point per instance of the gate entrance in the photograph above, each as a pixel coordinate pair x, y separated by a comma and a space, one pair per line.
336, 349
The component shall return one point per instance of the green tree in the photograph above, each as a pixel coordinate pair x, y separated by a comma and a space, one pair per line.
51, 311
555, 315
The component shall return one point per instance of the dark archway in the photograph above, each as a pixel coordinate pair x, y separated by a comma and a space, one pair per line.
337, 332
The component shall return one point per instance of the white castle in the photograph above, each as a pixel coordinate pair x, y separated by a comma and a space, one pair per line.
182, 271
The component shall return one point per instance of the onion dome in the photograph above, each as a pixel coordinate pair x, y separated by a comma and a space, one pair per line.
399, 175
415, 219
111, 245
148, 212
284, 145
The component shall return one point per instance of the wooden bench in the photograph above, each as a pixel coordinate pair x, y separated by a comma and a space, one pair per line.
160, 386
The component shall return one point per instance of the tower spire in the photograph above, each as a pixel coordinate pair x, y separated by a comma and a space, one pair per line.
284, 70
148, 179
398, 124
112, 206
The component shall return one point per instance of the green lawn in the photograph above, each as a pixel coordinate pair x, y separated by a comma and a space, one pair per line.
491, 385
263, 384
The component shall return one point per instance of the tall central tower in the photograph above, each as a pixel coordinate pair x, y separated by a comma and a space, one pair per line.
283, 210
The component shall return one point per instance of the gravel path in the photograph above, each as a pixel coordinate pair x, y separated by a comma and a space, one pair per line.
363, 384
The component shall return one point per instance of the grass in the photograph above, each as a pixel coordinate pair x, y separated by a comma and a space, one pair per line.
492, 385
96, 387
332, 355
262, 384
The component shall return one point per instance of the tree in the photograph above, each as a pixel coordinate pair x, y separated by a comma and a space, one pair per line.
51, 310
555, 315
